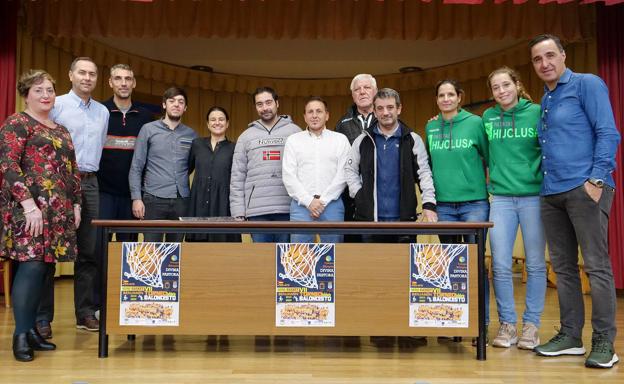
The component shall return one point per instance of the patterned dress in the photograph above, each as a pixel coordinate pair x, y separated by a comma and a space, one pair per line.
37, 161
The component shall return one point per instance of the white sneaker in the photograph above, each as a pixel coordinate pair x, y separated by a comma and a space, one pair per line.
529, 338
507, 336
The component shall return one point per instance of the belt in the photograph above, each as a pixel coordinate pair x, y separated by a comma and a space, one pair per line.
86, 175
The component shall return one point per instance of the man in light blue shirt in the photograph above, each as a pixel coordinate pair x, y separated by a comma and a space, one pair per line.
579, 140
87, 122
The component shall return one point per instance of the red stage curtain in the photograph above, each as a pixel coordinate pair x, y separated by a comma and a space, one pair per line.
8, 45
611, 69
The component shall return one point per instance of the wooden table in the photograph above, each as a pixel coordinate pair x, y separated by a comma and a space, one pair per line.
229, 288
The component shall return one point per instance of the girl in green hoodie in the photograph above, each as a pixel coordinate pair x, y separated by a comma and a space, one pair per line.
515, 179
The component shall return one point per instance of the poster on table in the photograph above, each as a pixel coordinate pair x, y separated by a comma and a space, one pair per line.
305, 283
150, 284
438, 292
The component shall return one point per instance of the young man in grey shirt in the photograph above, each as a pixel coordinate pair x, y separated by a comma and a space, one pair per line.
159, 179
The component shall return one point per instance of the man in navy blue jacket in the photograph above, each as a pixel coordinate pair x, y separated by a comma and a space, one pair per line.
579, 140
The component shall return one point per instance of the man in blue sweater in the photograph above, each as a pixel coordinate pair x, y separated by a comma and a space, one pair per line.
386, 163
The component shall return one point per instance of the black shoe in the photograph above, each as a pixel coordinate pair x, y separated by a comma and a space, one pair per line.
89, 323
21, 349
37, 342
44, 328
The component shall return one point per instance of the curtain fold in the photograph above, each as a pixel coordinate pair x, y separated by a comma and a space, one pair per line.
233, 91
8, 53
311, 19
171, 74
611, 69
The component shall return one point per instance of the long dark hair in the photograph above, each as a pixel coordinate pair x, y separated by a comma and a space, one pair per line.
215, 108
458, 89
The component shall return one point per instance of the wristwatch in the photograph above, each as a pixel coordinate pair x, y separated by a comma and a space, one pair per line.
598, 183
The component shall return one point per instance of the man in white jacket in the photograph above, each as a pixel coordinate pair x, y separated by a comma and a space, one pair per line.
313, 171
257, 192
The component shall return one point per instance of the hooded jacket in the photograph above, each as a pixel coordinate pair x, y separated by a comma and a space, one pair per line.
256, 186
457, 149
515, 155
361, 175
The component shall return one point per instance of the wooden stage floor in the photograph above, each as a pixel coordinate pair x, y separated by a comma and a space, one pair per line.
241, 359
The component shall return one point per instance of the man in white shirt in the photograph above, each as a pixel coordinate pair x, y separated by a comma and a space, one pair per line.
313, 171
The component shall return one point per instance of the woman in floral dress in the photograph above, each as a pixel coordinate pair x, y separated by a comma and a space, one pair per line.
41, 186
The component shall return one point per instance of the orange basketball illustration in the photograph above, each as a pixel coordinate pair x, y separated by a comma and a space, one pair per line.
431, 255
298, 263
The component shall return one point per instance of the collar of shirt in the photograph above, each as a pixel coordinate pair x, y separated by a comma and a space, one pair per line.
162, 124
563, 79
396, 132
365, 120
78, 100
319, 136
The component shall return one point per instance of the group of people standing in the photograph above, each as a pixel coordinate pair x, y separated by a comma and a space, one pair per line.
547, 169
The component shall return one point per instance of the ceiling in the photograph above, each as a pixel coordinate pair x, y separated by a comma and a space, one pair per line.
308, 59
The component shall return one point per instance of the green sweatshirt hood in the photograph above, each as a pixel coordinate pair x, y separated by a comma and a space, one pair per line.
514, 152
508, 116
457, 149
522, 105
462, 115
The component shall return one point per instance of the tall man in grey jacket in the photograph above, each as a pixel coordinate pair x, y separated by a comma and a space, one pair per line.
256, 188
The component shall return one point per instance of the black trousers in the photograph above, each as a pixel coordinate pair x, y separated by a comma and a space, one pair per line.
88, 263
158, 208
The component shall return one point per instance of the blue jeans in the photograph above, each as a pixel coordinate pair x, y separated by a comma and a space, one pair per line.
507, 212
477, 210
270, 237
334, 211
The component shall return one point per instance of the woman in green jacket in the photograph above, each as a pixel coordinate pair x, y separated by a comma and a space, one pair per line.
458, 151
515, 178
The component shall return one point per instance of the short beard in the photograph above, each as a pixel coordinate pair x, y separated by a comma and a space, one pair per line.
267, 121
173, 118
